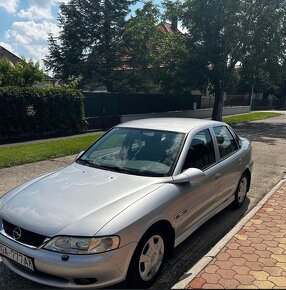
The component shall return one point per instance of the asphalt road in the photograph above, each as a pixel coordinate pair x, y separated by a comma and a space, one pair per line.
269, 150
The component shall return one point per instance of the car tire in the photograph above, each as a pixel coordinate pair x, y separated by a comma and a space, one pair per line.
148, 260
241, 190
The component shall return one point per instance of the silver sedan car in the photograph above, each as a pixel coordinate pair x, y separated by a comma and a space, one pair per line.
118, 211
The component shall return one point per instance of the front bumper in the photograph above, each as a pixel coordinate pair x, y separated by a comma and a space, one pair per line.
102, 269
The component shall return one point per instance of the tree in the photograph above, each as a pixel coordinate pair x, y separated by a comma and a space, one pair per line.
215, 41
143, 41
224, 32
24, 74
90, 41
262, 67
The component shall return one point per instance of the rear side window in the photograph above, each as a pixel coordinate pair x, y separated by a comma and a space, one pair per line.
201, 153
226, 142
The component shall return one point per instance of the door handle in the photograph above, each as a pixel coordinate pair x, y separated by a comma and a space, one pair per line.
217, 176
239, 161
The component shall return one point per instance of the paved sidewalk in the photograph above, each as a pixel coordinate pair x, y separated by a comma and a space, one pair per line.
255, 256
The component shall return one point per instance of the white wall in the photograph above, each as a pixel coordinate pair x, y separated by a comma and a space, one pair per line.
201, 114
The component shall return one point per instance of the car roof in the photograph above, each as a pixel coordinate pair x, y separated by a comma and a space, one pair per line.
182, 125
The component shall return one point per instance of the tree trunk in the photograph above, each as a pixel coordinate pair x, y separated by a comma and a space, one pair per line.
218, 104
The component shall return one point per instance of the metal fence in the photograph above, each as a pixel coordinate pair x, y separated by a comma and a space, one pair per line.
103, 110
230, 100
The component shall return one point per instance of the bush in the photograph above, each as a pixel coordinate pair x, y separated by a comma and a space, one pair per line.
33, 112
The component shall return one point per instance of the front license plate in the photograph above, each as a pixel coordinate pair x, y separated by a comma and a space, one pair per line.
17, 257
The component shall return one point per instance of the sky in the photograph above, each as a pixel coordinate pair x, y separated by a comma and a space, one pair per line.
25, 25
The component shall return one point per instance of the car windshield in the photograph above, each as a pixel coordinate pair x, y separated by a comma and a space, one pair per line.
135, 151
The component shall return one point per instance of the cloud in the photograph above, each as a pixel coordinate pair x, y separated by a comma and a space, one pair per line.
40, 9
31, 38
9, 5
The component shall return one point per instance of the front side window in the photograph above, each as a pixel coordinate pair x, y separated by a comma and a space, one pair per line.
135, 151
226, 143
201, 153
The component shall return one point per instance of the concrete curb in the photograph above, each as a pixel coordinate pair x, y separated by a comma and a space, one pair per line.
202, 263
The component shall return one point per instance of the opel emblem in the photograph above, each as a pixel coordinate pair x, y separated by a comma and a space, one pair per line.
17, 233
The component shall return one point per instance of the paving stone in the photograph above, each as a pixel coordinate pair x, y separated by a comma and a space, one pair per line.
223, 256
257, 222
225, 265
256, 240
237, 261
259, 247
282, 266
264, 254
244, 243
244, 279
247, 287
279, 258
270, 262
235, 253
228, 283
264, 284
273, 271
259, 275
278, 281
277, 251
256, 266
270, 243
243, 270
241, 237
211, 278
212, 286
247, 250
211, 269
197, 283
250, 257
229, 274
263, 232
233, 246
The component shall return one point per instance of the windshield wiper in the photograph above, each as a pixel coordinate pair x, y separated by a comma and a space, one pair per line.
87, 163
114, 168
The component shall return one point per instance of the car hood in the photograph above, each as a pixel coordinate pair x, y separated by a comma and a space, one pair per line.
76, 200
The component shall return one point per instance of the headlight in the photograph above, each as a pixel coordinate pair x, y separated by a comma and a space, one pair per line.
83, 246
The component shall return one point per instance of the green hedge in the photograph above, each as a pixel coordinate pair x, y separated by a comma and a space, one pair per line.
28, 112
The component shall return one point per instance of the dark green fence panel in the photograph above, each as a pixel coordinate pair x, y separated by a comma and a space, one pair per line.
103, 110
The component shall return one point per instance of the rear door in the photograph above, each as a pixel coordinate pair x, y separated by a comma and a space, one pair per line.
229, 164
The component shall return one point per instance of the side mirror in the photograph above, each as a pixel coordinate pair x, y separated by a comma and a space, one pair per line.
191, 174
79, 155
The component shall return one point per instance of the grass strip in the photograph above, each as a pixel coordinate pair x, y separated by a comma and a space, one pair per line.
17, 155
249, 117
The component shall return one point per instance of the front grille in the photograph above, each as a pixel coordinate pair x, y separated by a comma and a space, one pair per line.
27, 237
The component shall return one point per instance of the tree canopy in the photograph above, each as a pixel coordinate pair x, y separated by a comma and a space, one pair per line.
90, 41
23, 74
100, 41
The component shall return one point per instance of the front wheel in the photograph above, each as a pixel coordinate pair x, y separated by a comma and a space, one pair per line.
148, 260
241, 191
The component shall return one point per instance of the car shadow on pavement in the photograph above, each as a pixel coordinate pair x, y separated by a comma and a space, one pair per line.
11, 280
262, 132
